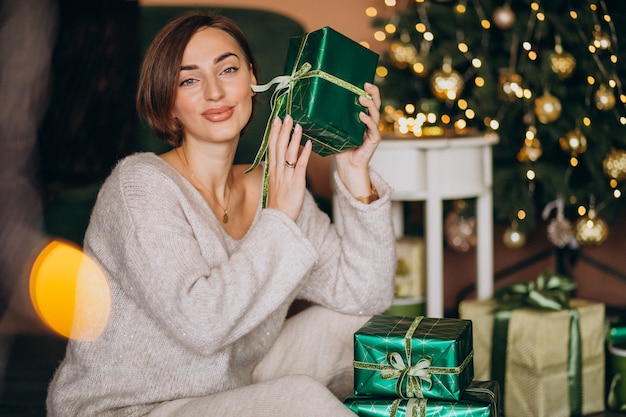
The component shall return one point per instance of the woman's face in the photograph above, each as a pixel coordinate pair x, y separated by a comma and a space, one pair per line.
213, 95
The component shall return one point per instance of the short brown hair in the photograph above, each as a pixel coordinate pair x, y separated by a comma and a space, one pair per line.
156, 91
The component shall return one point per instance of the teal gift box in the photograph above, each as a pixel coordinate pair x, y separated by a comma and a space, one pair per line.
328, 72
480, 399
413, 357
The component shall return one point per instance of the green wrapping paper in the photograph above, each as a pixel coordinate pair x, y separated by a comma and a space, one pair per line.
616, 331
410, 357
326, 72
326, 107
480, 399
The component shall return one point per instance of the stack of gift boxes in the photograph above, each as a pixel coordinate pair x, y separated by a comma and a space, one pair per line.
418, 366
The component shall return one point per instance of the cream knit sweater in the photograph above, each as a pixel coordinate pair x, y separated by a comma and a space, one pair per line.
193, 310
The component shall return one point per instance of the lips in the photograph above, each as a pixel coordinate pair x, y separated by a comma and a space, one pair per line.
218, 114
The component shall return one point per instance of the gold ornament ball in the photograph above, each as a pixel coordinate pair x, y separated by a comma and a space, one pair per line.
614, 164
446, 85
533, 149
460, 231
562, 64
513, 238
591, 231
574, 142
605, 99
560, 231
547, 108
504, 17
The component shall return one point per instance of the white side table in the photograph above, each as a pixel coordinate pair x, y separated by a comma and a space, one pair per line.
434, 170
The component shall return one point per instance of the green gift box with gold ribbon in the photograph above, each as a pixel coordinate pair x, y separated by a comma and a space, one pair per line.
324, 100
479, 399
546, 350
325, 72
413, 357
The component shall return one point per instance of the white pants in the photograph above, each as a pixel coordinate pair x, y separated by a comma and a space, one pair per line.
307, 372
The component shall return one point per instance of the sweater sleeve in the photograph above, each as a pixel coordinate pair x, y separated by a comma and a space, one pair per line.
167, 254
356, 268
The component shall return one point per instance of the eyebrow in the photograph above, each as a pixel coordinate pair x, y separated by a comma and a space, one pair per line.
215, 61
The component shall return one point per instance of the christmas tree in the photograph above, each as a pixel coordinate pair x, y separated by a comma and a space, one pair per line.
546, 77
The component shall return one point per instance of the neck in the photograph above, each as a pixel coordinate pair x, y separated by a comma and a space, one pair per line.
209, 195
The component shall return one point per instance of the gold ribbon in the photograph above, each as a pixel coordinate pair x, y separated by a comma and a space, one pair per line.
416, 407
414, 375
283, 93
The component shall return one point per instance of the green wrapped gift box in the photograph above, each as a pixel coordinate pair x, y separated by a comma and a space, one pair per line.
480, 399
413, 357
324, 98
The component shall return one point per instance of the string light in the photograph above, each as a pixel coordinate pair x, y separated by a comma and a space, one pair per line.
600, 45
371, 12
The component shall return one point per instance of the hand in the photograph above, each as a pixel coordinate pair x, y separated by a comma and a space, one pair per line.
287, 169
353, 164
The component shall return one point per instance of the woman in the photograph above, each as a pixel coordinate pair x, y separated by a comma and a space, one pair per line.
202, 278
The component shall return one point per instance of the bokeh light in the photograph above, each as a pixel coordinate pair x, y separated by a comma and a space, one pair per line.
70, 292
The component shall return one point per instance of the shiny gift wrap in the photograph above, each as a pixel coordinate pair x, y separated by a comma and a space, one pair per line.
325, 75
326, 103
536, 376
413, 357
480, 399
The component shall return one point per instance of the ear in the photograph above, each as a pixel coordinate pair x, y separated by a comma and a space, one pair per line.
253, 80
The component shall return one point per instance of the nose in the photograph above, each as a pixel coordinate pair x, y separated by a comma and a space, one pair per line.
213, 89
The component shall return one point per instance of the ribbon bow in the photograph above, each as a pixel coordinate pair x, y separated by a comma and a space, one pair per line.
549, 292
414, 408
415, 375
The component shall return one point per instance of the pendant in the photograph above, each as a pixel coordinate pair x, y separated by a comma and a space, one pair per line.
225, 217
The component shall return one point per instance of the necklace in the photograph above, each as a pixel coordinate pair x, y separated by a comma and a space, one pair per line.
185, 162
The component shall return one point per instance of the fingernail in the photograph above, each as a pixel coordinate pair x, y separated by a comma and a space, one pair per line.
287, 118
276, 120
298, 128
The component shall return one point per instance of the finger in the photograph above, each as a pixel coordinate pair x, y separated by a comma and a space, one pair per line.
372, 109
303, 159
284, 135
291, 155
375, 93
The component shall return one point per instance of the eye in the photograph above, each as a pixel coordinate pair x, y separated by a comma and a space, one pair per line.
187, 82
230, 70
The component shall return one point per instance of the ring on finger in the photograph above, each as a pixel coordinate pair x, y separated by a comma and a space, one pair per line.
290, 164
